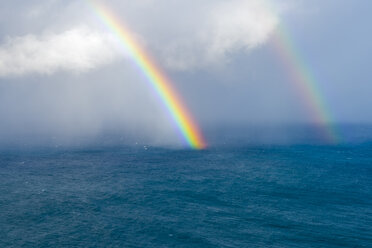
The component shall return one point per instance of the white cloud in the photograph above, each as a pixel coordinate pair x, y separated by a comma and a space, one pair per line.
239, 24
78, 49
207, 32
182, 35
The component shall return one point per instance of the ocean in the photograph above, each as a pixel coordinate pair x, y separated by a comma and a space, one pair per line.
237, 196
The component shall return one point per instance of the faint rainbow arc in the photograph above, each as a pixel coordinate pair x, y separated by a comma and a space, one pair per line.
304, 81
158, 81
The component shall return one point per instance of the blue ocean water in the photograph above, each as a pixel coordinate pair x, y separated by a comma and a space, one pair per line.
245, 196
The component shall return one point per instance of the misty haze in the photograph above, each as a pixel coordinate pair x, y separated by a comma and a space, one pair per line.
241, 123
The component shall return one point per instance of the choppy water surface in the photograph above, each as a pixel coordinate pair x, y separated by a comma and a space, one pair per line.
254, 196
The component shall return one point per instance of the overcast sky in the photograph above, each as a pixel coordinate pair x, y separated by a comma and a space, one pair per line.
62, 74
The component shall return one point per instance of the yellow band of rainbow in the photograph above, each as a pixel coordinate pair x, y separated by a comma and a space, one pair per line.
304, 82
158, 81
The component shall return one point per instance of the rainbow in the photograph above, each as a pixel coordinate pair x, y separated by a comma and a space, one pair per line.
156, 78
304, 82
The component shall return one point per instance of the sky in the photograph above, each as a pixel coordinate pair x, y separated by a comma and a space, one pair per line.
64, 75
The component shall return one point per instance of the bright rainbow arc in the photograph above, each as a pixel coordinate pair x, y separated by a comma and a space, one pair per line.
158, 81
304, 81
